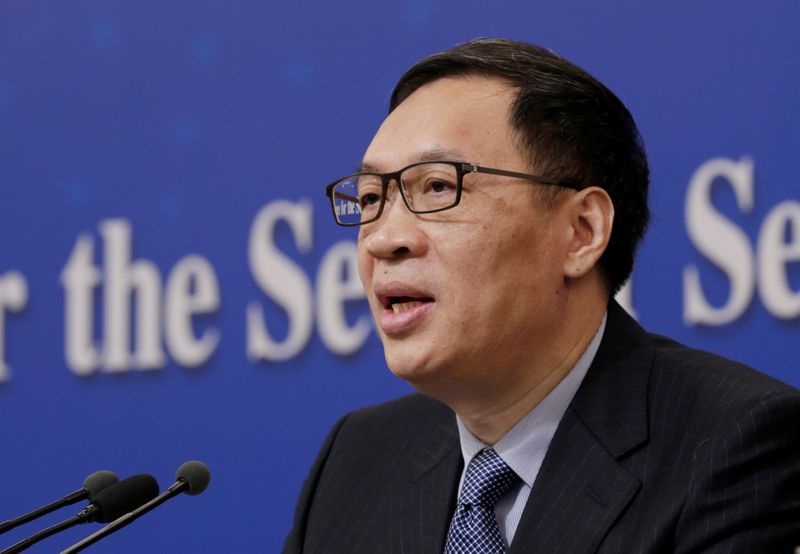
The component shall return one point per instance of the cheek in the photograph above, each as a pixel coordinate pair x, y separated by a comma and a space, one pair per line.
365, 267
489, 254
504, 269
474, 269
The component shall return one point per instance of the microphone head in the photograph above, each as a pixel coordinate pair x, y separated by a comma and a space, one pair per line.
98, 481
195, 474
123, 497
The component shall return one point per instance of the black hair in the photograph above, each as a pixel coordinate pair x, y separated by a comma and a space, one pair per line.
572, 127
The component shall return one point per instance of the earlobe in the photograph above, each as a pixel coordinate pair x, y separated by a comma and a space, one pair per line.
591, 219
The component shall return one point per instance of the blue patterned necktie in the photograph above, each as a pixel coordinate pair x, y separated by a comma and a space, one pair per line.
474, 527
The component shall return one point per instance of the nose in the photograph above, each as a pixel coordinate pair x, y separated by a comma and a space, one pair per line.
396, 234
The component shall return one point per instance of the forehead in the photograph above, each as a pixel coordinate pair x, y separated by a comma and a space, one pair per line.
465, 118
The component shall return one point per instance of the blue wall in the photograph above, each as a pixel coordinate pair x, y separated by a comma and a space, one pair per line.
187, 124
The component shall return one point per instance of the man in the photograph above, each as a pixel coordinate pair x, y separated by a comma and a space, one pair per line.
499, 207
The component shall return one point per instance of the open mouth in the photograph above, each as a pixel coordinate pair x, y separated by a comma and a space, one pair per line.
400, 304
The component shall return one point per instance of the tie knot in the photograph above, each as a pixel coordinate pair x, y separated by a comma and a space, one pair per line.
487, 479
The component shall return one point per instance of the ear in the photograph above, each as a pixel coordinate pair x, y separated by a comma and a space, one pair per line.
591, 214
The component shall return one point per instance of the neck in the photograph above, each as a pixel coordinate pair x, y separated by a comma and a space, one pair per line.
491, 412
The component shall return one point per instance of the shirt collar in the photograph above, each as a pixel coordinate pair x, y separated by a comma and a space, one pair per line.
524, 446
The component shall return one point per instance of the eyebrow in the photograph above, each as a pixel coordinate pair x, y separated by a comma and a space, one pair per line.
432, 155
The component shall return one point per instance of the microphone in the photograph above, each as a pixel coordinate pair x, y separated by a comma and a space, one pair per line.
92, 485
192, 478
110, 503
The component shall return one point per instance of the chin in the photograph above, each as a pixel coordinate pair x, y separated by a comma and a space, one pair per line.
415, 367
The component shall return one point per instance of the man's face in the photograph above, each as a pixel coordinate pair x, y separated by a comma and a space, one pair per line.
466, 297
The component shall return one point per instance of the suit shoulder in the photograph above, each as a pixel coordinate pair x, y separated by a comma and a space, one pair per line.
398, 422
410, 407
410, 434
712, 379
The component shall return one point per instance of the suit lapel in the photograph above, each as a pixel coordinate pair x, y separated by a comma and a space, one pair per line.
582, 488
430, 499
579, 493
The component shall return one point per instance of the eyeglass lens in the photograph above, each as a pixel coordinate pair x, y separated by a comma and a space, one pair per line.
426, 187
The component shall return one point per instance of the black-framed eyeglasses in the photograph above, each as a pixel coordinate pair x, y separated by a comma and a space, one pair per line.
426, 187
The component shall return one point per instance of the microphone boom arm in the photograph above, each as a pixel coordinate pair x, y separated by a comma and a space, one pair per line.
71, 498
173, 490
24, 544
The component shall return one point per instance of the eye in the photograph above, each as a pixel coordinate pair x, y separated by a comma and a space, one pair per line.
370, 192
369, 199
439, 186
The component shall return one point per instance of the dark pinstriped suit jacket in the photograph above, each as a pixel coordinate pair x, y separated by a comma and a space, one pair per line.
663, 449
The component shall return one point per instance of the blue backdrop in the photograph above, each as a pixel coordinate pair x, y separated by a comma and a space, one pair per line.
162, 168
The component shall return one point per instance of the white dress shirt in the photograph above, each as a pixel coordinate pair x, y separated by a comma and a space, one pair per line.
524, 447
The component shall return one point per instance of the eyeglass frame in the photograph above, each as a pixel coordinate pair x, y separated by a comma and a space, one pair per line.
462, 168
